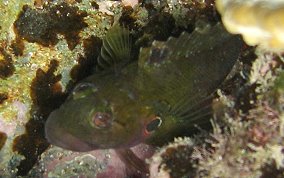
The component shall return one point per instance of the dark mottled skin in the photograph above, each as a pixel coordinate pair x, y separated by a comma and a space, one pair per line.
166, 91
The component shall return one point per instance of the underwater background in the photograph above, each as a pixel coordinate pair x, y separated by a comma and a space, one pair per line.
47, 46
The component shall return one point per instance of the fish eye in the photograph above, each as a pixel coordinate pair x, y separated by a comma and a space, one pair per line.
102, 120
84, 86
83, 89
153, 125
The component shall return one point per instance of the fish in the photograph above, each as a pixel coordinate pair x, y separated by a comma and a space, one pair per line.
164, 94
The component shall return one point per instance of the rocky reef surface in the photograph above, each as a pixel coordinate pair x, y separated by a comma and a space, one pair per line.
48, 46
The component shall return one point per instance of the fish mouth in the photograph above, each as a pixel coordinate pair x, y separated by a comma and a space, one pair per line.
59, 137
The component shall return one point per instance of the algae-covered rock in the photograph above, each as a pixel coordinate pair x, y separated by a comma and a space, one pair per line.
49, 46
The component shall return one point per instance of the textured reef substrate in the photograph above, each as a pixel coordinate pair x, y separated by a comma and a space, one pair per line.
48, 46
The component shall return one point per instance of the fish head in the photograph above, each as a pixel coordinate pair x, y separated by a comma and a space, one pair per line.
95, 117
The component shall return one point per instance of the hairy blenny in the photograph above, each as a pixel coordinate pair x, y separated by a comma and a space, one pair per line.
162, 95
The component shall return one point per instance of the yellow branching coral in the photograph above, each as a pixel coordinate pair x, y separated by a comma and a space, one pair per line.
261, 22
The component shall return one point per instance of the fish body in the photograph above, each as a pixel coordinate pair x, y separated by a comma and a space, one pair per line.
162, 95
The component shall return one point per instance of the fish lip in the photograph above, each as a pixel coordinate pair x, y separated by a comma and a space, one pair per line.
61, 138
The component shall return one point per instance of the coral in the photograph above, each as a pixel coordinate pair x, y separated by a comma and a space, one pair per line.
260, 22
131, 3
247, 140
174, 160
247, 148
251, 143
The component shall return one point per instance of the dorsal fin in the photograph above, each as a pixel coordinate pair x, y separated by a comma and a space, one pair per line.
116, 49
188, 69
